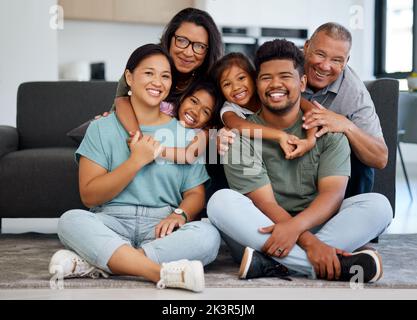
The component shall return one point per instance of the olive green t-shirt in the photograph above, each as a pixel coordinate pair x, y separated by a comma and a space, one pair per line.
253, 163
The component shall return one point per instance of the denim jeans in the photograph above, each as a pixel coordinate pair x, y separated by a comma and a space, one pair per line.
95, 235
359, 220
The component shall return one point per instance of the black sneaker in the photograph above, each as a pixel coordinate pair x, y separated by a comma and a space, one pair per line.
370, 262
257, 265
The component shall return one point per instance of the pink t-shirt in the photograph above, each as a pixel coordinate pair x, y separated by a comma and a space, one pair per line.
168, 108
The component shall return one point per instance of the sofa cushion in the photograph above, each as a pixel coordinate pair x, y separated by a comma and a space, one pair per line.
41, 183
9, 140
77, 134
46, 111
384, 94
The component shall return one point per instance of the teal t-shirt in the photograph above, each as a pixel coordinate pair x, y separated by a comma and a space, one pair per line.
159, 183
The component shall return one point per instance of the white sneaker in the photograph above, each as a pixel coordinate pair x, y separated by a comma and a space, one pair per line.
182, 274
71, 265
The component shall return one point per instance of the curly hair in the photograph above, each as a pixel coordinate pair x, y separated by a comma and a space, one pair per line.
280, 49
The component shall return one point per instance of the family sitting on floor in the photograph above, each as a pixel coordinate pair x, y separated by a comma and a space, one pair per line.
300, 140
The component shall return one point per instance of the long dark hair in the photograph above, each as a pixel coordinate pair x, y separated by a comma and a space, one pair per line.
203, 19
146, 51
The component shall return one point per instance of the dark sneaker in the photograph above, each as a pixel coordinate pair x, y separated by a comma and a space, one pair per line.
370, 262
257, 265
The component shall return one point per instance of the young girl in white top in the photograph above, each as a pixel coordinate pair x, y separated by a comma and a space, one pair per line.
235, 77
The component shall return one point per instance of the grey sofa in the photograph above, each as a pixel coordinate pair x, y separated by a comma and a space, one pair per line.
38, 174
384, 93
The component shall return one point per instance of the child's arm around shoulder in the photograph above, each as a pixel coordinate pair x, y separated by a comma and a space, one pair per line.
247, 128
190, 153
126, 115
302, 146
306, 107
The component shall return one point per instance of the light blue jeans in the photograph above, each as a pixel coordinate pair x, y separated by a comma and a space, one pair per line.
95, 235
360, 219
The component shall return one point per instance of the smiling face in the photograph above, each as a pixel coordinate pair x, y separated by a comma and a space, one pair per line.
186, 60
197, 109
325, 59
151, 80
237, 86
279, 85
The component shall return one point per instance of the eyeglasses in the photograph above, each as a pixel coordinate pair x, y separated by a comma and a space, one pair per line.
183, 42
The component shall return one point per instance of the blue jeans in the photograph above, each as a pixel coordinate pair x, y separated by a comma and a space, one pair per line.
359, 220
95, 235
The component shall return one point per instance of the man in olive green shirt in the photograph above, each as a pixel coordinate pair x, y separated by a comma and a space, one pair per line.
290, 214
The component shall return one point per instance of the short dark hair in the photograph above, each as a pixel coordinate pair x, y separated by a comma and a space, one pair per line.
232, 59
146, 51
279, 49
208, 85
335, 31
203, 19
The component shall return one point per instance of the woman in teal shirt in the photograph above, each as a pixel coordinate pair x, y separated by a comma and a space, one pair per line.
136, 201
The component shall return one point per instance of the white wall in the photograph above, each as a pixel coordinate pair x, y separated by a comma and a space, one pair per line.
107, 42
28, 50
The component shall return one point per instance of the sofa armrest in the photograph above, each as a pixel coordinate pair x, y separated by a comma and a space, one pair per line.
9, 140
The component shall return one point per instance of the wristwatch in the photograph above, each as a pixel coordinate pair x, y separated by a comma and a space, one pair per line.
181, 212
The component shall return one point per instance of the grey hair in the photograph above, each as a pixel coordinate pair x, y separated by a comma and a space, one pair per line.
335, 31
